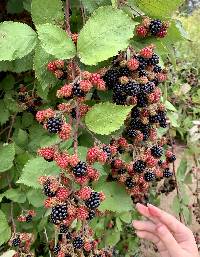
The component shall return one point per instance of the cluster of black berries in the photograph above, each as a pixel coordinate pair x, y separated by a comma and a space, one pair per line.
58, 213
80, 169
22, 243
54, 124
94, 201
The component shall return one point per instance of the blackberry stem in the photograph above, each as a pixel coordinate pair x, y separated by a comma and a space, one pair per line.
67, 17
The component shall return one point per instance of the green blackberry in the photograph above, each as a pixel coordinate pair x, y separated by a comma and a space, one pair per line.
171, 158
156, 151
157, 69
111, 78
155, 26
78, 243
131, 133
47, 191
139, 166
16, 241
63, 229
148, 87
56, 249
80, 169
91, 214
132, 89
94, 201
58, 213
142, 100
149, 176
154, 59
124, 71
29, 218
129, 183
54, 124
167, 173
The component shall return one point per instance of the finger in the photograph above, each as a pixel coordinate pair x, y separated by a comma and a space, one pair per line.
144, 211
154, 239
170, 221
144, 225
169, 241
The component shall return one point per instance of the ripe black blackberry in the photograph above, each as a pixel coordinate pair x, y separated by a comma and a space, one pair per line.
142, 100
154, 119
124, 71
94, 201
132, 89
80, 169
139, 166
31, 109
63, 229
107, 150
91, 214
149, 176
131, 133
56, 249
157, 69
111, 78
148, 87
129, 183
142, 73
119, 99
135, 112
142, 62
156, 151
54, 124
47, 191
145, 134
21, 98
16, 241
58, 213
135, 123
119, 88
154, 59
155, 26
121, 171
29, 218
78, 243
76, 91
171, 158
167, 173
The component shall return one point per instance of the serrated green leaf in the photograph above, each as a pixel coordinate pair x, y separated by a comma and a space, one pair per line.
8, 82
188, 178
173, 117
4, 113
118, 224
15, 195
105, 118
91, 5
10, 103
106, 32
158, 8
55, 41
170, 106
21, 137
36, 198
176, 205
27, 119
16, 40
126, 217
9, 253
186, 213
34, 169
46, 11
115, 194
112, 237
7, 154
41, 59
5, 231
181, 171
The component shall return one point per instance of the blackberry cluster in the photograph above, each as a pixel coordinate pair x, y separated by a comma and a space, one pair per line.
78, 243
58, 213
80, 169
54, 124
94, 201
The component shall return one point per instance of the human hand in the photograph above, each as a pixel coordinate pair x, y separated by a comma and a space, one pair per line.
172, 238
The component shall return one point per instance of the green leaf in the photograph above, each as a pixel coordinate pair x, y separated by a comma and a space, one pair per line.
105, 118
36, 198
185, 198
14, 6
21, 138
46, 11
7, 154
112, 237
8, 82
176, 205
4, 113
41, 60
118, 224
126, 217
27, 5
91, 5
173, 117
15, 195
9, 253
106, 33
170, 106
158, 8
34, 169
55, 41
186, 213
115, 194
188, 178
16, 40
182, 170
5, 231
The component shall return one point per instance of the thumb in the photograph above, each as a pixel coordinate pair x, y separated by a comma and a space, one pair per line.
169, 241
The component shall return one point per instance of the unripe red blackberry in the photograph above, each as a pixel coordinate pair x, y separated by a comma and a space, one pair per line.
78, 243
54, 124
171, 158
141, 31
139, 166
80, 169
149, 176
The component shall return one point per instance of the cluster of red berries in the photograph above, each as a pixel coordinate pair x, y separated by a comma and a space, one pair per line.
22, 242
150, 27
28, 100
27, 216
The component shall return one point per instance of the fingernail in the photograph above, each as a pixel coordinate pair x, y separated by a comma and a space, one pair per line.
153, 210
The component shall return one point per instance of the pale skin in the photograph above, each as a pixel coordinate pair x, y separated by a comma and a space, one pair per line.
172, 238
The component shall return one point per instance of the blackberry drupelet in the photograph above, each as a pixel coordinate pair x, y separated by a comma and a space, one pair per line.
54, 124
149, 176
154, 59
139, 166
59, 213
156, 151
16, 241
155, 26
63, 229
171, 158
76, 91
78, 243
129, 183
47, 191
29, 218
91, 214
157, 69
167, 173
119, 99
119, 88
111, 78
124, 71
80, 169
154, 119
94, 201
145, 135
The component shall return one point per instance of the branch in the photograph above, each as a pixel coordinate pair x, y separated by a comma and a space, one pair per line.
67, 17
46, 236
11, 127
76, 128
